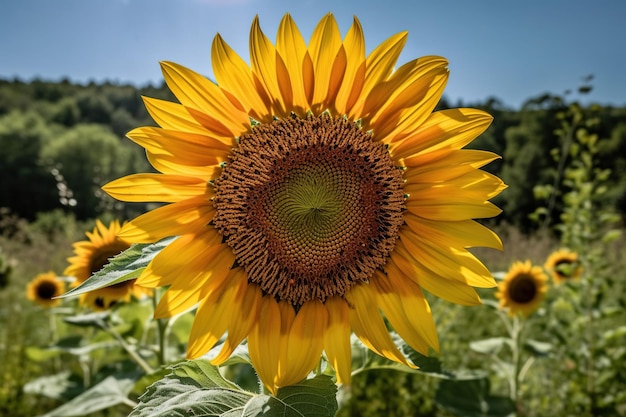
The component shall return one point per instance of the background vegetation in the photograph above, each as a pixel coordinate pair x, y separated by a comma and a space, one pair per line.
59, 142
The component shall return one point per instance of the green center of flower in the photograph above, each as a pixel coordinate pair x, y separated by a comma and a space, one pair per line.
46, 290
309, 206
523, 289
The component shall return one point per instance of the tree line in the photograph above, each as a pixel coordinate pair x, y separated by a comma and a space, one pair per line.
61, 141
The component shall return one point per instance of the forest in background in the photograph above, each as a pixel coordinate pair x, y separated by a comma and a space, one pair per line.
61, 141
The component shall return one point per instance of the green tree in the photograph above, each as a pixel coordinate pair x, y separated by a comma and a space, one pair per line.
27, 186
86, 157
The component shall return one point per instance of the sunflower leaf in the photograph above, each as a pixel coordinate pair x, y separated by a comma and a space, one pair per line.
197, 388
109, 392
123, 267
472, 398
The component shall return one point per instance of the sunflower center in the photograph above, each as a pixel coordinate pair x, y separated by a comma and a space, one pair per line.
523, 289
46, 290
309, 206
102, 255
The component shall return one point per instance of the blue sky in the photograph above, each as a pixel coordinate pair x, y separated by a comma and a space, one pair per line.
511, 50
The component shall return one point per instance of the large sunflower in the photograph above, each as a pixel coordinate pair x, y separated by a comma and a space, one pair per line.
311, 191
563, 265
523, 288
90, 256
44, 289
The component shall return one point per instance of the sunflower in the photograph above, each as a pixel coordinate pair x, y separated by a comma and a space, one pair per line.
44, 288
90, 256
311, 191
522, 289
563, 265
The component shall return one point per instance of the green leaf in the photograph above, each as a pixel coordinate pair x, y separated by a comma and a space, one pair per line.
471, 398
123, 267
196, 388
108, 393
51, 386
490, 346
538, 348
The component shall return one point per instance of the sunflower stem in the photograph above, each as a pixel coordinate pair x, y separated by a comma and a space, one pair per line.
517, 360
161, 330
129, 349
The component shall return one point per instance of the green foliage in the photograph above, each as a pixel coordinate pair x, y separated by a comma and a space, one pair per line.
198, 389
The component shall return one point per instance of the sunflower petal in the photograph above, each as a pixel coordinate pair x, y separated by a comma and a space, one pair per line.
305, 342
264, 342
263, 58
379, 65
187, 216
247, 298
324, 47
291, 47
172, 116
234, 75
354, 76
155, 187
337, 338
196, 92
211, 321
369, 326
404, 264
406, 308
446, 129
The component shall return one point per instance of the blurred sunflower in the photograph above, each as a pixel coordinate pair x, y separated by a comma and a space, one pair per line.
44, 288
563, 265
522, 289
90, 256
311, 190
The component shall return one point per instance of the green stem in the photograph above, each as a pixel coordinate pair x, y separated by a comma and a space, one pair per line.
517, 359
161, 333
129, 349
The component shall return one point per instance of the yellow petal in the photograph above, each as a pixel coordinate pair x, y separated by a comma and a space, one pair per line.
407, 310
183, 217
263, 60
397, 124
324, 46
292, 49
369, 326
354, 76
155, 187
446, 129
187, 254
247, 299
264, 342
170, 165
234, 75
446, 261
449, 164
197, 93
405, 87
186, 292
337, 338
458, 234
379, 64
172, 116
187, 148
211, 320
404, 264
305, 341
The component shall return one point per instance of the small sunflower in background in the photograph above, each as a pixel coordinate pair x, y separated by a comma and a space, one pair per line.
311, 190
44, 288
523, 288
90, 256
563, 265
